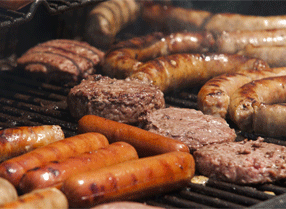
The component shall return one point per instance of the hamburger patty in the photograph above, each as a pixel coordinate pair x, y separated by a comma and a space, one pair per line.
189, 126
125, 101
245, 162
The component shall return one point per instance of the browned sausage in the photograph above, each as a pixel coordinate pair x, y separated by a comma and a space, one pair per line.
245, 100
233, 22
145, 142
179, 71
273, 55
130, 180
125, 58
107, 18
48, 198
172, 19
233, 41
19, 140
14, 168
214, 96
8, 192
54, 173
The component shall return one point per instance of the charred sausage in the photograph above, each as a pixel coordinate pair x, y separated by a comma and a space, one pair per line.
14, 168
48, 198
245, 101
19, 140
107, 18
8, 192
130, 180
188, 70
145, 142
54, 173
125, 57
214, 96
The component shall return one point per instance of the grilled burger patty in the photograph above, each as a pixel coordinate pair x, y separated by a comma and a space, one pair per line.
189, 126
125, 101
245, 162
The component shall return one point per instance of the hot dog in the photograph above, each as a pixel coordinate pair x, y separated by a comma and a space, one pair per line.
125, 57
145, 142
40, 199
14, 168
179, 71
19, 140
234, 41
273, 55
130, 180
214, 96
54, 173
8, 192
250, 96
107, 18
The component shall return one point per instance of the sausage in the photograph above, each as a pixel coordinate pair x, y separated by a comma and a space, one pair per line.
180, 71
126, 57
14, 168
130, 180
234, 41
145, 142
48, 198
54, 173
8, 192
172, 19
14, 4
107, 18
214, 96
125, 205
19, 140
250, 96
233, 22
273, 55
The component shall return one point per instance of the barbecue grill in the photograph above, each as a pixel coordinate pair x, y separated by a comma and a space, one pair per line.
29, 101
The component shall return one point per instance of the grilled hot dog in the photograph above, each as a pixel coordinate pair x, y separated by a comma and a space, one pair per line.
54, 173
130, 180
19, 140
14, 168
145, 142
188, 70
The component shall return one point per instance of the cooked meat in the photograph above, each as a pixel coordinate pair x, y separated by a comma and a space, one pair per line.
245, 162
189, 126
125, 101
62, 60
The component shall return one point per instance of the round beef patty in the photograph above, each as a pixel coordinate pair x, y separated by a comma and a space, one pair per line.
189, 126
125, 101
245, 162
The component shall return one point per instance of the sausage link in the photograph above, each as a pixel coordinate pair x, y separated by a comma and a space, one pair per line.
107, 18
48, 198
188, 70
252, 95
14, 168
234, 41
214, 96
8, 192
54, 173
146, 143
125, 58
130, 180
273, 55
19, 140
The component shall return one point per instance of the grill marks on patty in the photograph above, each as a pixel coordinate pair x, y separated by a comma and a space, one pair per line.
71, 58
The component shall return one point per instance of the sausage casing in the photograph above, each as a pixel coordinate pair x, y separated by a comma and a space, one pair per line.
130, 180
48, 198
146, 143
54, 173
19, 140
14, 168
188, 70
